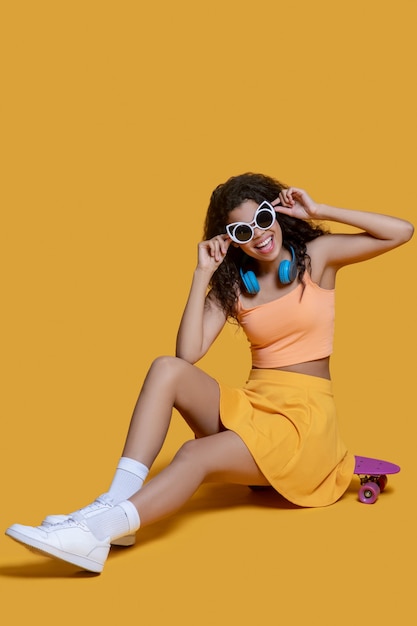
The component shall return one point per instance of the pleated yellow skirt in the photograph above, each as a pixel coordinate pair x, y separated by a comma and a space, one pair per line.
288, 422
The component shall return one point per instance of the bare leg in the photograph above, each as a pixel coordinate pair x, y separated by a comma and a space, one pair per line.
217, 455
171, 383
222, 457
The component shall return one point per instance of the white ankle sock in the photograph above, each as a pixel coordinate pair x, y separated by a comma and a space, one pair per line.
128, 479
122, 519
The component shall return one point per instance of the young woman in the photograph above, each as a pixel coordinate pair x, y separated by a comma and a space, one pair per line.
266, 263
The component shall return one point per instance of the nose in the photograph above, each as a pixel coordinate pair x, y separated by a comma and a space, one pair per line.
258, 232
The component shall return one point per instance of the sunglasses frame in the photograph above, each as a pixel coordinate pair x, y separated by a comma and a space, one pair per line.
264, 206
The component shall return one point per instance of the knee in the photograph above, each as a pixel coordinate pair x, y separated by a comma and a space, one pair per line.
187, 452
192, 454
167, 366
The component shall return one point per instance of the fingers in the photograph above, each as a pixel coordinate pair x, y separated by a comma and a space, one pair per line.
216, 248
219, 246
286, 197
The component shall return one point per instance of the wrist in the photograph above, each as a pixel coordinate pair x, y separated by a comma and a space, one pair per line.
324, 212
203, 274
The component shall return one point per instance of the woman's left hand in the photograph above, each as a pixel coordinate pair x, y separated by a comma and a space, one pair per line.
296, 203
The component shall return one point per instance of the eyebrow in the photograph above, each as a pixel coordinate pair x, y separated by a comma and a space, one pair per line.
251, 222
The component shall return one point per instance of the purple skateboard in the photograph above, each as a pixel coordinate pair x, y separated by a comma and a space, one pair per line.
373, 477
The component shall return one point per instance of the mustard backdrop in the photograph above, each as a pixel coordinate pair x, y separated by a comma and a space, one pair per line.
117, 121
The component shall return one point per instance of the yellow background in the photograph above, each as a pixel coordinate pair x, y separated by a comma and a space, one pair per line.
117, 121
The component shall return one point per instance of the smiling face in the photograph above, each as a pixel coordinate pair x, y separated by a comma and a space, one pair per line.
265, 244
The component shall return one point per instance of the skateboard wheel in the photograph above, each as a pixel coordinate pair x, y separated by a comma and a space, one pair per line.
369, 492
382, 482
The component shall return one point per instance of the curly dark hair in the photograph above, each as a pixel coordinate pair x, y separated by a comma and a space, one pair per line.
226, 282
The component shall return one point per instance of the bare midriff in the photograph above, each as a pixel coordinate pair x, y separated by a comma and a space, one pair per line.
320, 368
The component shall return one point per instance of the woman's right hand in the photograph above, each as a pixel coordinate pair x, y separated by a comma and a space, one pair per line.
212, 252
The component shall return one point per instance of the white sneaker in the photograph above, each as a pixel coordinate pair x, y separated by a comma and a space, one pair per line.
98, 506
71, 541
102, 503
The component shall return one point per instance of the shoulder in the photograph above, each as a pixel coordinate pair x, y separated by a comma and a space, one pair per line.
320, 252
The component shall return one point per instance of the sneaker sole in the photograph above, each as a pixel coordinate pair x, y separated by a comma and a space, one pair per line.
126, 541
39, 547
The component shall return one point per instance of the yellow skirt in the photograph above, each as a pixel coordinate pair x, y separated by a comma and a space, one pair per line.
288, 422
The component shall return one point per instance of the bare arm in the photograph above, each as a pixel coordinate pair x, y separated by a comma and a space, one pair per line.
203, 318
380, 233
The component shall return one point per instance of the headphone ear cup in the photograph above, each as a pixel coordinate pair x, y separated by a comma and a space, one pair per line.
250, 281
287, 270
287, 273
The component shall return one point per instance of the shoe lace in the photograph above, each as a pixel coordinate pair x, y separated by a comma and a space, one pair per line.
75, 520
99, 503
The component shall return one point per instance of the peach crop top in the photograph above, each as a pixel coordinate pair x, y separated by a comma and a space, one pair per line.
295, 328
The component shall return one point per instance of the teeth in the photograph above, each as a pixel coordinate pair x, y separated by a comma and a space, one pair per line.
265, 243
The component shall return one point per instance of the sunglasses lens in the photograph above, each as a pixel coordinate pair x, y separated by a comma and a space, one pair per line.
265, 219
242, 233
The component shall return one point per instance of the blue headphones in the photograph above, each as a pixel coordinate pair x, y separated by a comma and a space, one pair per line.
287, 273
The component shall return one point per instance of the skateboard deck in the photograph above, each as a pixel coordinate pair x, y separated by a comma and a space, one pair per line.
373, 477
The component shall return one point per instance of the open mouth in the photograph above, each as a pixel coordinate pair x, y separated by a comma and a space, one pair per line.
266, 245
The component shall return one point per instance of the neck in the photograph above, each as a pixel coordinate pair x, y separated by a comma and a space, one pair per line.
271, 267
